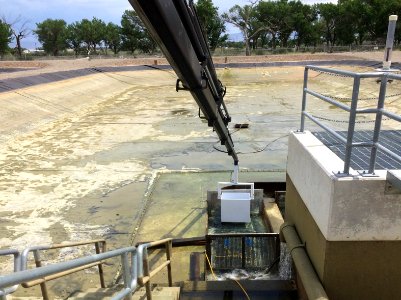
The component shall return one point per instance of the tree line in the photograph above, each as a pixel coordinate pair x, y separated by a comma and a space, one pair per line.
291, 23
86, 36
265, 24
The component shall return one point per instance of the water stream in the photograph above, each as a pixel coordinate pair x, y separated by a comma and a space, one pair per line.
246, 256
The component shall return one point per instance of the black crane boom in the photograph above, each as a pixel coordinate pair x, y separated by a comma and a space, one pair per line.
175, 27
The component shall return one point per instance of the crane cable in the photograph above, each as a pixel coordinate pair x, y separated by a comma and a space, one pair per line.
250, 152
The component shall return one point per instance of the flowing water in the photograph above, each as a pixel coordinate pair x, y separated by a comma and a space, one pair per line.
285, 270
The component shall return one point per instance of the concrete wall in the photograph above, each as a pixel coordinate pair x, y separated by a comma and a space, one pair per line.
350, 226
344, 208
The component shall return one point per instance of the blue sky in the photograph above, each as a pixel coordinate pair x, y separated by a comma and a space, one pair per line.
36, 11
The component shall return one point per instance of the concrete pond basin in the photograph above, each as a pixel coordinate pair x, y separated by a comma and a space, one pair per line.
89, 157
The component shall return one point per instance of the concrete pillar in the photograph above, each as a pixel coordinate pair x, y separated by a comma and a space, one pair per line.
351, 227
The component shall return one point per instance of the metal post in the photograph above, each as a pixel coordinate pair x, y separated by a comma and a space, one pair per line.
100, 266
126, 273
169, 250
234, 177
351, 124
134, 271
243, 252
392, 22
378, 123
38, 264
304, 99
278, 246
208, 253
146, 273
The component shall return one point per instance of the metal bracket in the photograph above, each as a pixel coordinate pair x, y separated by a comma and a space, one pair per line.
393, 184
367, 174
201, 117
299, 132
341, 174
182, 87
234, 177
303, 245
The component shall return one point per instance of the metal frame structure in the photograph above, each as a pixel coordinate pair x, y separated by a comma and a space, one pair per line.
174, 25
100, 247
379, 111
243, 236
144, 272
17, 262
134, 261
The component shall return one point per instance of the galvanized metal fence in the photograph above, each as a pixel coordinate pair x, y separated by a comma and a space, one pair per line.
11, 288
353, 110
100, 246
134, 261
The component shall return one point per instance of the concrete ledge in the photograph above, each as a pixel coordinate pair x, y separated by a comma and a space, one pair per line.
393, 185
273, 215
351, 208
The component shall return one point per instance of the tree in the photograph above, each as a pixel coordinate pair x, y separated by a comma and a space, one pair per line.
73, 36
5, 37
355, 18
51, 33
146, 44
92, 33
348, 27
379, 11
112, 38
213, 24
19, 29
360, 20
275, 18
244, 18
303, 18
329, 14
134, 34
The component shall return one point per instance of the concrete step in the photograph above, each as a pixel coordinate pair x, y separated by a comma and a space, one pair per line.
159, 293
11, 297
95, 294
229, 289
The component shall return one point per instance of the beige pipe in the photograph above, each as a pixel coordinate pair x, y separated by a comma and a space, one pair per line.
313, 286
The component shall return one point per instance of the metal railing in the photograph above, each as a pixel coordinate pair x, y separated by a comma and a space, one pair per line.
379, 111
17, 258
134, 261
144, 272
100, 246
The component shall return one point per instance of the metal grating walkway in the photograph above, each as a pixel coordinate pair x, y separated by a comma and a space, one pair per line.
391, 139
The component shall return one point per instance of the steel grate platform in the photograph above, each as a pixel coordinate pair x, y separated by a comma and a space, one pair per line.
391, 139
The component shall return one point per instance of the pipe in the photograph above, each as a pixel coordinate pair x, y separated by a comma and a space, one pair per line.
313, 286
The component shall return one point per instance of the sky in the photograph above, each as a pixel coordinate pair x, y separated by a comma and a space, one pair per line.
36, 11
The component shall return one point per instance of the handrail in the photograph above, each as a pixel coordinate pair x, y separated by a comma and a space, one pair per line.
353, 110
100, 246
17, 258
134, 261
48, 270
144, 272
